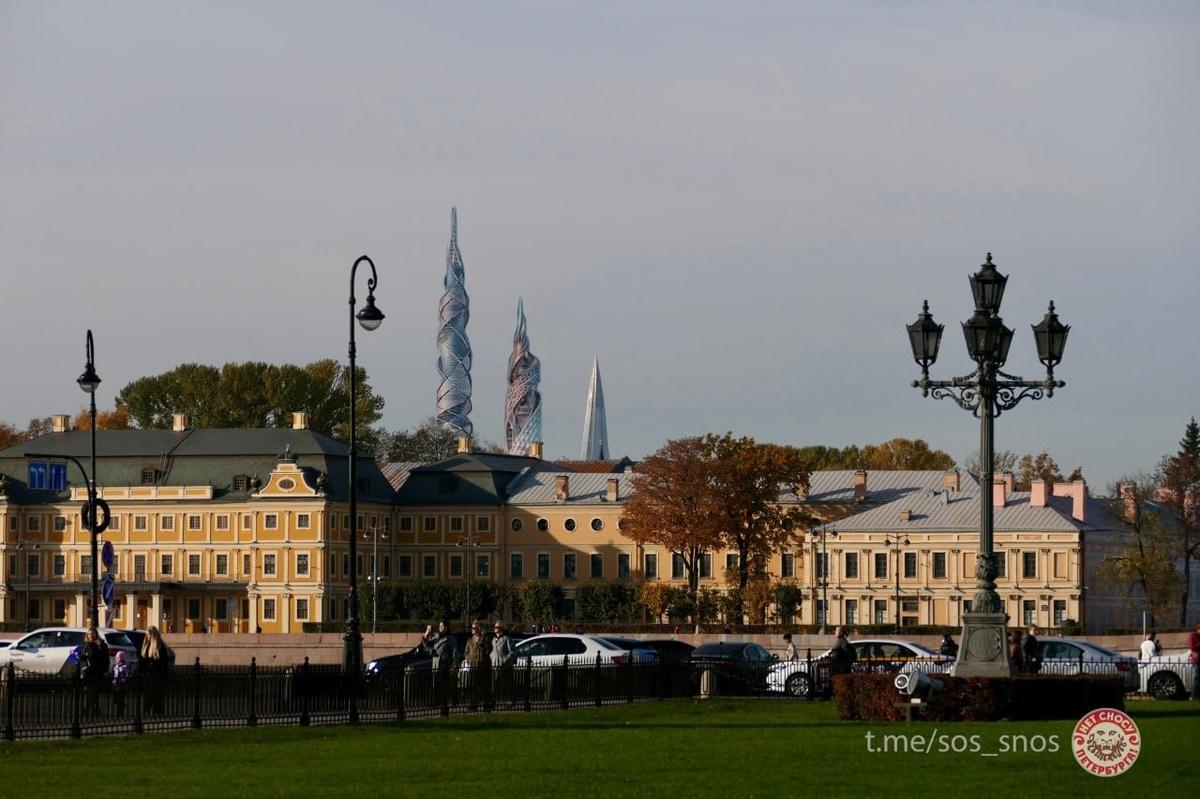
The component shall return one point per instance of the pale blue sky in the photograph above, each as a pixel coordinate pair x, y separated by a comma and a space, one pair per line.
736, 206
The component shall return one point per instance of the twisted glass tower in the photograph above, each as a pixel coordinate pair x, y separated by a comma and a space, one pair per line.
454, 349
523, 403
595, 426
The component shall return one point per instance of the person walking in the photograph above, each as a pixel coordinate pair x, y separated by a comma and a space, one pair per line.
1151, 647
502, 665
154, 663
93, 668
1032, 650
948, 648
789, 652
1015, 651
842, 654
1194, 659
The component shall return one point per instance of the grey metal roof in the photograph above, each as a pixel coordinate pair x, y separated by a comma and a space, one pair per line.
397, 473
955, 511
583, 488
882, 486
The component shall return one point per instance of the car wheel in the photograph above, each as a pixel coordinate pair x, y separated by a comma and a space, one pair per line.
798, 685
1165, 685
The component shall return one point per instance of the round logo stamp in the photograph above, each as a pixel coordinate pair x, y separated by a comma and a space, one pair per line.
1106, 742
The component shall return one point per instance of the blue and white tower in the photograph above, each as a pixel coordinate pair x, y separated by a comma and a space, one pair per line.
595, 426
454, 349
523, 403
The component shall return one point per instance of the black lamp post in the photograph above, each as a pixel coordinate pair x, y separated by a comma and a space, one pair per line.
823, 573
986, 393
89, 381
468, 543
896, 539
370, 318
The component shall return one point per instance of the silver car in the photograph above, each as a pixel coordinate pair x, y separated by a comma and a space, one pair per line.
1167, 676
1073, 656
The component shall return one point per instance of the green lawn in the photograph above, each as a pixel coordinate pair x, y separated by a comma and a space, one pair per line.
722, 748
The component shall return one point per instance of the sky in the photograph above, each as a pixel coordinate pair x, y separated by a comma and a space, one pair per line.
736, 207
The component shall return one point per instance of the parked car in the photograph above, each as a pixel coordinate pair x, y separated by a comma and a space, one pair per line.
1167, 676
739, 666
1073, 656
636, 648
670, 650
48, 650
871, 654
550, 649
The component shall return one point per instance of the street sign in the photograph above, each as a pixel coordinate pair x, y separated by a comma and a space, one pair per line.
109, 589
106, 555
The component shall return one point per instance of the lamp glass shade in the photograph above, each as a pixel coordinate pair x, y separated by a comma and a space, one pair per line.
370, 317
1050, 335
925, 336
987, 286
89, 381
982, 334
1004, 339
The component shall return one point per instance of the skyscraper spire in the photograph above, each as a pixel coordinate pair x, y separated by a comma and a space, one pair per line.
523, 404
454, 350
595, 426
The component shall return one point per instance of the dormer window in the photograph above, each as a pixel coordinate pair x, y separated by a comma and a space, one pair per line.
151, 476
446, 486
241, 483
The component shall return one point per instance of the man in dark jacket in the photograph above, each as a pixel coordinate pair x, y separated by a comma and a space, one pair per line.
842, 655
1032, 650
93, 669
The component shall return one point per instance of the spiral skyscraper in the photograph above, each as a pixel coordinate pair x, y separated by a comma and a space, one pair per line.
454, 349
523, 403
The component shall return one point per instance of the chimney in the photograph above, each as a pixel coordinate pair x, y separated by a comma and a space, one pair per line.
1077, 491
1037, 493
999, 492
60, 423
464, 444
906, 515
613, 492
1009, 481
179, 422
299, 420
950, 481
860, 486
561, 488
535, 450
1129, 501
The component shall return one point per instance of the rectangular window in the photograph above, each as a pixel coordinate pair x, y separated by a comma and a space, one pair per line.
139, 568
246, 567
851, 611
193, 608
193, 521
543, 566
1001, 565
939, 565
220, 610
881, 608
910, 565
302, 609
483, 565
483, 524
676, 566
650, 566
597, 566
345, 521
223, 565
166, 523
822, 564
787, 565
822, 612
223, 521
60, 565
60, 523
269, 564
456, 566
456, 524
301, 564
193, 565
731, 562
406, 525
881, 568
1060, 612
33, 565
1028, 611
406, 566
14, 524
60, 609
706, 565
34, 524
429, 565
35, 608
303, 521
116, 564
139, 523
114, 524
431, 524
569, 567
85, 565
387, 525
622, 566
247, 521
516, 566
851, 565
345, 564
268, 610
167, 564
271, 521
1028, 564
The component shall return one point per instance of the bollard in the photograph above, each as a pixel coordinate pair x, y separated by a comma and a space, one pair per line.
196, 720
252, 720
9, 683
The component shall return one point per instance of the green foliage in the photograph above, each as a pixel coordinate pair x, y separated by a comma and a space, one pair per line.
539, 601
256, 394
898, 453
428, 442
788, 598
613, 601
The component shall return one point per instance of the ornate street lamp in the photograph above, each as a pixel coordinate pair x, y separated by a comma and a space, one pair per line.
468, 543
986, 393
370, 318
89, 381
823, 572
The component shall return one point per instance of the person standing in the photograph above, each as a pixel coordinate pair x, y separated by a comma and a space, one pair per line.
444, 650
842, 655
1015, 651
476, 664
502, 664
93, 667
154, 663
1032, 650
1194, 659
120, 679
948, 648
789, 652
1151, 647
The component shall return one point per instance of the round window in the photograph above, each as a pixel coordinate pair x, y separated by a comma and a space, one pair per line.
597, 525
287, 484
569, 525
620, 524
543, 525
516, 525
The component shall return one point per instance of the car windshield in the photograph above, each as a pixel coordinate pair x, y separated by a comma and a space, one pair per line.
118, 639
1105, 652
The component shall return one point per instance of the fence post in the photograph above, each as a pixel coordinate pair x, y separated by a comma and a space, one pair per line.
443, 676
528, 681
659, 684
629, 678
196, 721
252, 720
139, 685
302, 685
403, 690
10, 688
598, 678
564, 689
76, 690
812, 676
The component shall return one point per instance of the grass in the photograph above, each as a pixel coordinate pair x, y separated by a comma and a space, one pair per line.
697, 748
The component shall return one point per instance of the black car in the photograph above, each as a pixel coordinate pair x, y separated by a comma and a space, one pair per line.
669, 650
740, 667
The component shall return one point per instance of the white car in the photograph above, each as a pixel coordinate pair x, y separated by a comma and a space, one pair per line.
1167, 676
1073, 656
871, 654
48, 650
550, 649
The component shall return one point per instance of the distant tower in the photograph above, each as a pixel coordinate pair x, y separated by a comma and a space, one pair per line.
523, 405
595, 427
454, 350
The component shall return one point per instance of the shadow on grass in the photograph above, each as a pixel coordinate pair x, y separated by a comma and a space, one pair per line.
1183, 710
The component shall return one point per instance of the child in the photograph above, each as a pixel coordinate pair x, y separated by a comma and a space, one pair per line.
120, 677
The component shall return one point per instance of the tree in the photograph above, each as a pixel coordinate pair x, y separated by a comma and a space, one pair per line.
898, 453
540, 601
747, 478
1146, 559
1003, 461
256, 394
1179, 479
1037, 467
657, 598
674, 504
116, 419
429, 442
10, 436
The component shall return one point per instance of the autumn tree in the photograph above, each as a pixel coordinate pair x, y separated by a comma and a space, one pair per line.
116, 419
674, 504
10, 435
1037, 467
1179, 488
1004, 460
1145, 559
898, 453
